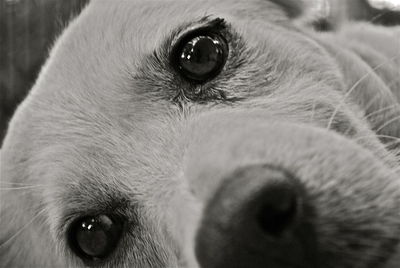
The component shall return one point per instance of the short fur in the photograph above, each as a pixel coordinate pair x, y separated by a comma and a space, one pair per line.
110, 126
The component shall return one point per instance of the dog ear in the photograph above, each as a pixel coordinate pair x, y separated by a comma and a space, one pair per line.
293, 8
367, 57
379, 85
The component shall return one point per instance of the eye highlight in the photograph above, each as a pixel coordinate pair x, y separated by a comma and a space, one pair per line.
94, 237
200, 55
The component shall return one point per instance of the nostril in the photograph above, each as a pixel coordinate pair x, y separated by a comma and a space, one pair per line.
278, 210
258, 216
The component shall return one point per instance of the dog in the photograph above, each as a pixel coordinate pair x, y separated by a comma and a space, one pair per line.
206, 134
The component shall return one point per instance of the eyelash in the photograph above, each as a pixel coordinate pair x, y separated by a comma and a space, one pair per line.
217, 25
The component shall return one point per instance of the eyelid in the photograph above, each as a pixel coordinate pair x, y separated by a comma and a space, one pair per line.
217, 25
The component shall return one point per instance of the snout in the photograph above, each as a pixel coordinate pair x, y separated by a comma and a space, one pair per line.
259, 216
283, 194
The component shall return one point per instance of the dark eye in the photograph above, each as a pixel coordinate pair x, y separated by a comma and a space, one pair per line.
201, 57
94, 237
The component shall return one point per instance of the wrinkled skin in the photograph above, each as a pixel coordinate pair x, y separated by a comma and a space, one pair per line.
111, 127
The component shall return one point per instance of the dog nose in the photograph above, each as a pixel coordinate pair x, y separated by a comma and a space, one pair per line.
278, 209
259, 217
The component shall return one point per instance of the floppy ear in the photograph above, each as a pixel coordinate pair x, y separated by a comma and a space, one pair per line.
378, 49
369, 60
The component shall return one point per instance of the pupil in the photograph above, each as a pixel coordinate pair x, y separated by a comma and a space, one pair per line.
201, 56
93, 236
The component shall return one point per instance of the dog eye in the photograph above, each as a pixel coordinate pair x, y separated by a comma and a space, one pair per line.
201, 57
94, 237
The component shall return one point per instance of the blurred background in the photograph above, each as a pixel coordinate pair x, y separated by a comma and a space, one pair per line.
29, 27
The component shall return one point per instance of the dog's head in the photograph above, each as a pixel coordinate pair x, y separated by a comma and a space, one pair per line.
185, 133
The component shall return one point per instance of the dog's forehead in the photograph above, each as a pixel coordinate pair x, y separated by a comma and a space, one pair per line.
141, 24
101, 52
124, 31
93, 80
87, 91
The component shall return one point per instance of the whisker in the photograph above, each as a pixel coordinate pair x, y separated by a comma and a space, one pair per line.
344, 99
377, 136
393, 143
388, 108
372, 100
40, 213
396, 118
348, 93
23, 187
17, 183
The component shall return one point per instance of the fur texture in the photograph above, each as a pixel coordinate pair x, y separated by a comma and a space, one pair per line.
110, 127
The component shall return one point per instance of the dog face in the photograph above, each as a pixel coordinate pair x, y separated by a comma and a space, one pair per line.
185, 134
